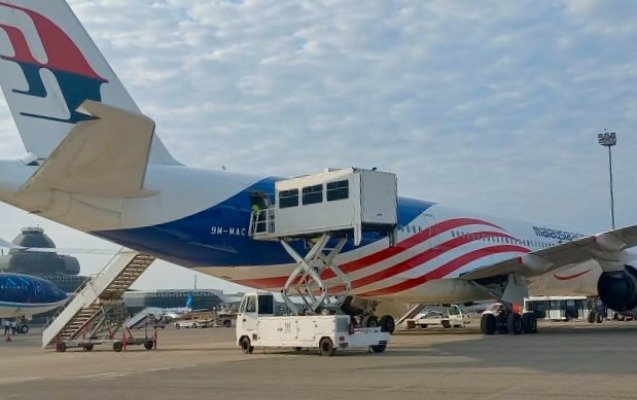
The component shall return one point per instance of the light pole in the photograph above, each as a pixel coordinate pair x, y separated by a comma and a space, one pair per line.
609, 139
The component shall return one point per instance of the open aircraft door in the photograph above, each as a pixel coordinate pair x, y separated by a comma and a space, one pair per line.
430, 226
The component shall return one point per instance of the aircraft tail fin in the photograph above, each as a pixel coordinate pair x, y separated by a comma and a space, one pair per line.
189, 301
49, 66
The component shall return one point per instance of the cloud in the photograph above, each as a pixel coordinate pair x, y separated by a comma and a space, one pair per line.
492, 106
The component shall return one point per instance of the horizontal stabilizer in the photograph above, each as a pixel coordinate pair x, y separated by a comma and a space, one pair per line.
105, 156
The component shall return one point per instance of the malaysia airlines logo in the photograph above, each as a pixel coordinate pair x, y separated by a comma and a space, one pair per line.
76, 79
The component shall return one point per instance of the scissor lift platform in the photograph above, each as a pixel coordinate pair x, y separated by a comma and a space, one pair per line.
326, 209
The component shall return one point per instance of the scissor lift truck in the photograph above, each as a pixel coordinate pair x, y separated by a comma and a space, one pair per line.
257, 326
326, 210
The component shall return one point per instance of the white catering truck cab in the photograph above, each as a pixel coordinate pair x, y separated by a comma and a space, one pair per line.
257, 326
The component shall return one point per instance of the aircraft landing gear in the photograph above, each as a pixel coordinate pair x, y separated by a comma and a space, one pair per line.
508, 322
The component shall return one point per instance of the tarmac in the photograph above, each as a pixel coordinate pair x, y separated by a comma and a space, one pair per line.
569, 360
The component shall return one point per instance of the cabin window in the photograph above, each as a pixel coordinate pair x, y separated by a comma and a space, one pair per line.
288, 198
313, 194
337, 190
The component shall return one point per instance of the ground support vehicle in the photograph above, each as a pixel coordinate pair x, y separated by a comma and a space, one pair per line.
453, 318
257, 326
116, 344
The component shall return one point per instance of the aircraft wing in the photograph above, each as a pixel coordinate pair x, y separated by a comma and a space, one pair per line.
102, 157
606, 247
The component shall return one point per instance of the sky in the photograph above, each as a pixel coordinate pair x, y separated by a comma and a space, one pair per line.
492, 106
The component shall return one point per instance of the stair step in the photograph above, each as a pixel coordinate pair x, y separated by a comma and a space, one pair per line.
110, 296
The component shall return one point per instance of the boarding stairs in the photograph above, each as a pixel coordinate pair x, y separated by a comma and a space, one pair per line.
144, 317
413, 311
97, 307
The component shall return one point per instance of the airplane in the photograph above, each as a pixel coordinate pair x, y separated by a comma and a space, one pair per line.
176, 312
25, 296
94, 163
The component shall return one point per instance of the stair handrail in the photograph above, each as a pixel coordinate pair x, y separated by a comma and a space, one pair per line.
85, 283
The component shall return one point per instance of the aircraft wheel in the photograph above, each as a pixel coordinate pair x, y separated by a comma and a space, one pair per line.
326, 347
514, 324
501, 324
529, 323
488, 324
387, 323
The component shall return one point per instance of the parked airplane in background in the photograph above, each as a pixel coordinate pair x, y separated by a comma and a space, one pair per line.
176, 312
25, 296
94, 163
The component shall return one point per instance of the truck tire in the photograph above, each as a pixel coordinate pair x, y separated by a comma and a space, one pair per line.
387, 324
246, 345
148, 344
326, 347
446, 324
379, 348
227, 323
370, 321
88, 347
24, 329
118, 346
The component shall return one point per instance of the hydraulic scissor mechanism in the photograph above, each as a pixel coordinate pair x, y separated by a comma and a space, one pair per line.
306, 282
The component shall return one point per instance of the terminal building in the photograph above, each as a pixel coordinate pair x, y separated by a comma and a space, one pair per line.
202, 299
60, 269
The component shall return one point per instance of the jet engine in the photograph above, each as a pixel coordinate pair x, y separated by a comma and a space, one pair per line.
618, 289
